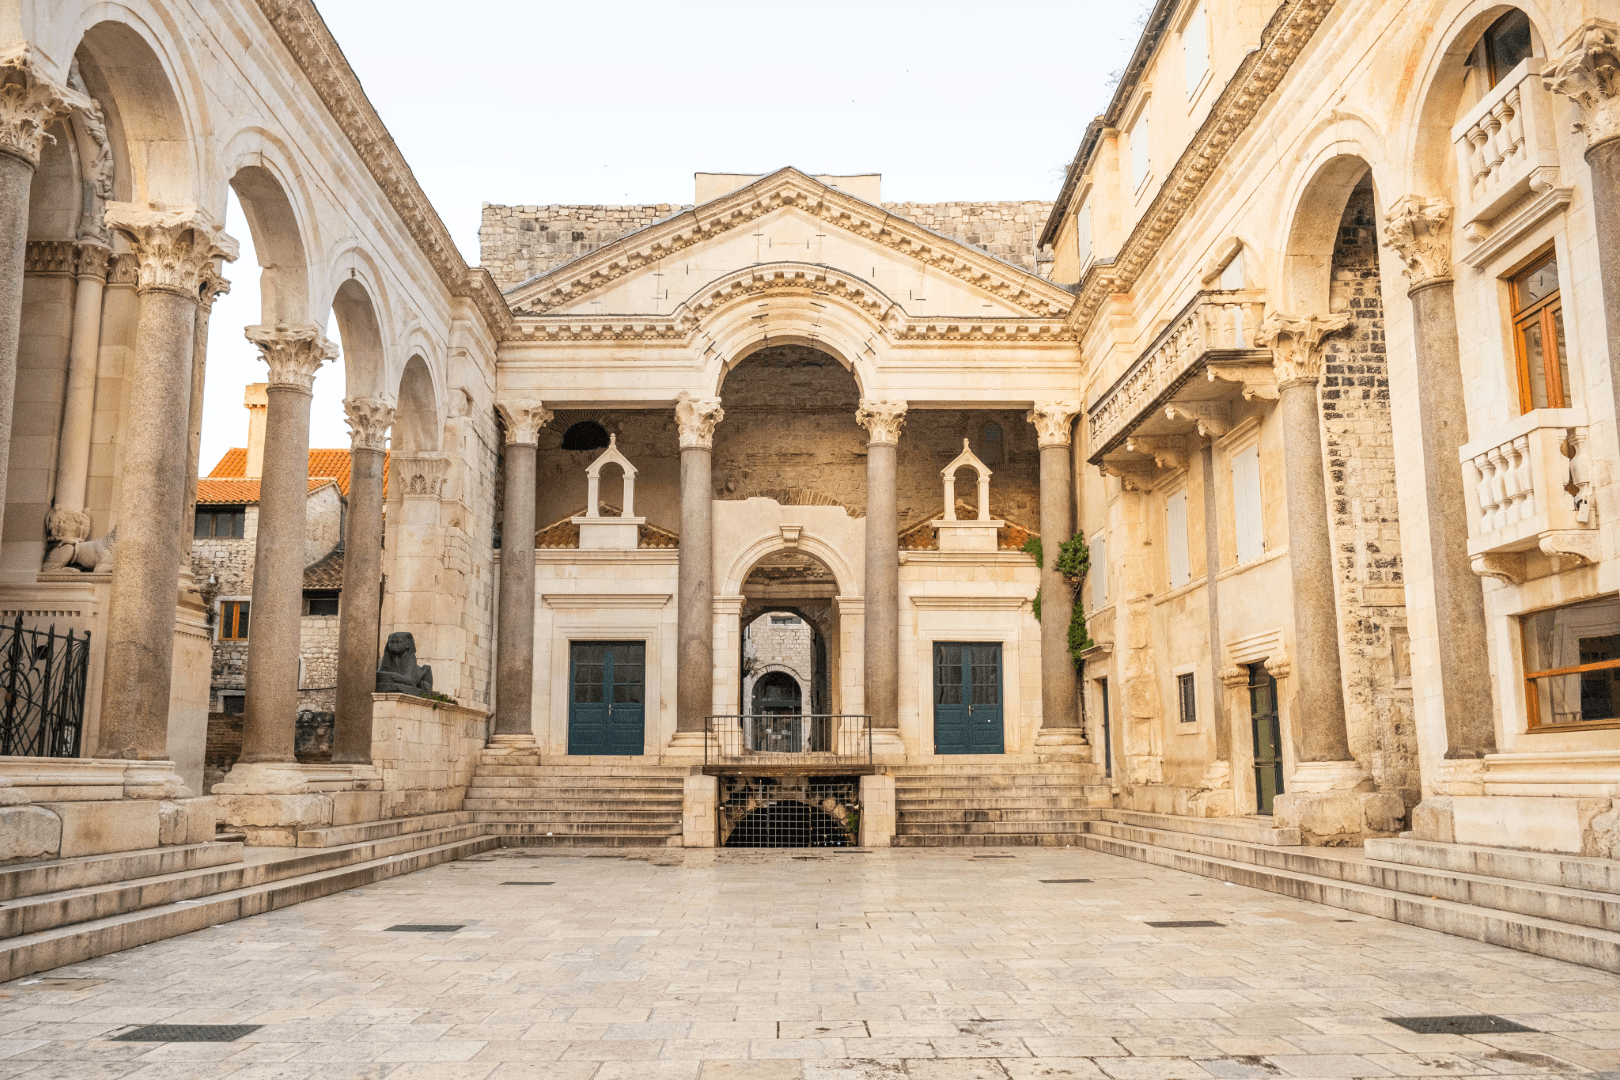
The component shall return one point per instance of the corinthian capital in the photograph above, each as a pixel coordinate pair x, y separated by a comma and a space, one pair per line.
882, 421
523, 419
421, 475
1418, 230
696, 418
29, 100
174, 247
1295, 342
1052, 420
1589, 75
293, 353
369, 420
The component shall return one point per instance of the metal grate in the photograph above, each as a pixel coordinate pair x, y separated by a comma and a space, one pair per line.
188, 1033
993, 856
790, 811
528, 883
1065, 881
789, 738
1186, 923
425, 928
1475, 1024
42, 677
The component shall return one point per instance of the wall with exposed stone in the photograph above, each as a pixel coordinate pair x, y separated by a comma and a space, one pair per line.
772, 646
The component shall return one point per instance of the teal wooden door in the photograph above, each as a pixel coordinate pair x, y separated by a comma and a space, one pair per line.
967, 697
606, 702
1268, 760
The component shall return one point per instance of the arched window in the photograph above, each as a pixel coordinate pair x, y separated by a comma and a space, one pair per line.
776, 692
1503, 47
585, 435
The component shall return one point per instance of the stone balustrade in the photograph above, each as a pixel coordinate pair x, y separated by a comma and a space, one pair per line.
1528, 487
1213, 322
1505, 147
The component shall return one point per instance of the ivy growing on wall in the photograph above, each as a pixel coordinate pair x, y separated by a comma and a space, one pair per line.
1074, 559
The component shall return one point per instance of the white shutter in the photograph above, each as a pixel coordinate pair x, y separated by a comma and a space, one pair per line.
1175, 536
1140, 160
1082, 233
1246, 512
1195, 45
1098, 574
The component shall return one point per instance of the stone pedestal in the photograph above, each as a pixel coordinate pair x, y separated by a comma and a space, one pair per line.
700, 811
877, 811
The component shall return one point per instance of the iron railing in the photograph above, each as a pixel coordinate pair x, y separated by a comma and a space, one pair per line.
42, 677
789, 739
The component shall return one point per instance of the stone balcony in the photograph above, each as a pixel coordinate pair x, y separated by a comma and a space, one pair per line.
1529, 497
1506, 149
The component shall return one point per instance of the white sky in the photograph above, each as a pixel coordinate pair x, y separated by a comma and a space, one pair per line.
529, 101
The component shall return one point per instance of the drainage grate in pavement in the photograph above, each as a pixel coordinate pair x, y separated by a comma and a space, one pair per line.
188, 1033
604, 856
528, 883
994, 856
1186, 923
1065, 881
60, 984
425, 928
1477, 1024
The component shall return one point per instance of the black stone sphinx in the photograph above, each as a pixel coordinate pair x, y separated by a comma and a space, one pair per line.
398, 672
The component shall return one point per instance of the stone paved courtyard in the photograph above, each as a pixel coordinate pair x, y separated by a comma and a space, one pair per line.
683, 965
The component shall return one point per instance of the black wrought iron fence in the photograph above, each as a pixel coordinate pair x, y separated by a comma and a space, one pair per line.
42, 677
789, 738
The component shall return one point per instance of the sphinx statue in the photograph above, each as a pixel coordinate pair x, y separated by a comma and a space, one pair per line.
398, 672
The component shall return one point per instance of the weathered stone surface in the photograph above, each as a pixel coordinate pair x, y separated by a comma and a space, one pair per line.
28, 832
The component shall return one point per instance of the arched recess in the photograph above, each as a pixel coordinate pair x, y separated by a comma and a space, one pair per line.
279, 243
154, 156
416, 421
363, 357
808, 544
1308, 256
55, 192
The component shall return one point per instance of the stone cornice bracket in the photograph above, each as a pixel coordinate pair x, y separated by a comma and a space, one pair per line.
1504, 566
1279, 666
696, 418
1214, 418
293, 353
523, 419
30, 100
369, 420
1589, 75
1053, 421
1295, 342
1418, 229
1234, 677
882, 421
1169, 451
174, 246
420, 475
1258, 380
1133, 476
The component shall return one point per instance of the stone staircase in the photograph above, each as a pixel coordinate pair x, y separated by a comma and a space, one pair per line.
1560, 906
577, 805
979, 806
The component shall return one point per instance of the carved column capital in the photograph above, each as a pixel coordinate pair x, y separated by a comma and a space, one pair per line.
420, 475
1419, 231
93, 260
696, 418
212, 286
1052, 420
30, 100
369, 420
1295, 342
293, 353
174, 247
1589, 75
882, 421
523, 419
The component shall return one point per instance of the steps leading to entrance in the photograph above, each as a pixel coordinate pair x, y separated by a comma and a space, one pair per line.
979, 806
1556, 906
578, 805
1251, 830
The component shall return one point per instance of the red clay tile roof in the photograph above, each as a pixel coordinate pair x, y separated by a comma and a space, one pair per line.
924, 537
323, 463
565, 534
326, 574
236, 491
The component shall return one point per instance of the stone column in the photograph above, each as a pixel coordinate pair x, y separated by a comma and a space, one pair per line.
67, 522
1419, 230
1060, 714
175, 248
882, 421
369, 421
1212, 567
29, 100
514, 656
1318, 710
1588, 73
213, 287
694, 649
293, 354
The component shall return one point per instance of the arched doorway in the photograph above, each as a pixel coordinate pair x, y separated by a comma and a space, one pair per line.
777, 693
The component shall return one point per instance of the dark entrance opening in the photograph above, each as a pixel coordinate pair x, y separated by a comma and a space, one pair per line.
777, 692
585, 435
788, 823
1268, 759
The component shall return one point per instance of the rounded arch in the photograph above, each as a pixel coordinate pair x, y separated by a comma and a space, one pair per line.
777, 688
363, 356
278, 241
416, 419
808, 544
155, 158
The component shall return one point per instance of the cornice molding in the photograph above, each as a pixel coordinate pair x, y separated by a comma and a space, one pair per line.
1261, 72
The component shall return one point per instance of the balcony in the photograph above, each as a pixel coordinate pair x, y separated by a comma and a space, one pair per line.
1506, 148
1529, 495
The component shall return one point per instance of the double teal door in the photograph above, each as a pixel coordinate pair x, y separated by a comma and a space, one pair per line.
967, 697
607, 701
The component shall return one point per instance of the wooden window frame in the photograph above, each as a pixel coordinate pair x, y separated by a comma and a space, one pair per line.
1532, 706
230, 619
1537, 313
1187, 695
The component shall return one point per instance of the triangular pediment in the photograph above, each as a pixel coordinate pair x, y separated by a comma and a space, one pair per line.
789, 217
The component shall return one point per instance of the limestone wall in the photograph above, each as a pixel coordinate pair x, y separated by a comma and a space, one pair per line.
426, 751
772, 646
1008, 230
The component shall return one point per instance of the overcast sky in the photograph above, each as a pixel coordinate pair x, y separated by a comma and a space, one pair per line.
529, 101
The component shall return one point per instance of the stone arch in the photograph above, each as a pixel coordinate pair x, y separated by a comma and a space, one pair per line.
278, 241
416, 422
1313, 226
808, 544
154, 152
364, 358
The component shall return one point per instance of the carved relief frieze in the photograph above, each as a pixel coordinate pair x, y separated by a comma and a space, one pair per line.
50, 257
420, 475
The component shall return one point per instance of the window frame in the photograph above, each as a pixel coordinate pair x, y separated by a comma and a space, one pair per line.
1532, 706
235, 607
1539, 313
237, 512
1173, 544
1187, 696
1195, 27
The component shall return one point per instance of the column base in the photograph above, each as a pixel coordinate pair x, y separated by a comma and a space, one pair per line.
1319, 777
293, 778
1339, 818
1062, 744
887, 743
690, 744
153, 780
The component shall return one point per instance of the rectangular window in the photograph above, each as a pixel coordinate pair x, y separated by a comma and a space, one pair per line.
1098, 574
1246, 512
1538, 337
1195, 47
233, 620
1232, 273
784, 620
1175, 538
221, 521
1141, 162
232, 704
1572, 665
1082, 234
323, 602
1187, 697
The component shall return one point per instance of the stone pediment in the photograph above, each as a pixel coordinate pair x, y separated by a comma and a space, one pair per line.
896, 270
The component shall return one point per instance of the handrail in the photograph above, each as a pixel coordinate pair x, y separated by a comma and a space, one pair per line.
778, 739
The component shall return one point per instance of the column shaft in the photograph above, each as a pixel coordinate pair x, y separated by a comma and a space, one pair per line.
1603, 161
1212, 565
141, 610
883, 585
1318, 709
1058, 676
514, 662
361, 606
278, 579
694, 676
78, 413
194, 409
16, 176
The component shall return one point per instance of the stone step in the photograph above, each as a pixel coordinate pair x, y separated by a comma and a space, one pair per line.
517, 835
338, 835
942, 828
538, 822
976, 783
580, 772
1008, 802
1544, 937
574, 812
979, 768
1252, 830
520, 802
1025, 839
576, 783
46, 949
575, 795
58, 875
1019, 814
1569, 871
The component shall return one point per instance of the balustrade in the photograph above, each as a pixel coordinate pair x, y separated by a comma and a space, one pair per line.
1528, 485
1501, 145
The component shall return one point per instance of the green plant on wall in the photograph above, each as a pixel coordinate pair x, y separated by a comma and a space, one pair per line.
1074, 560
